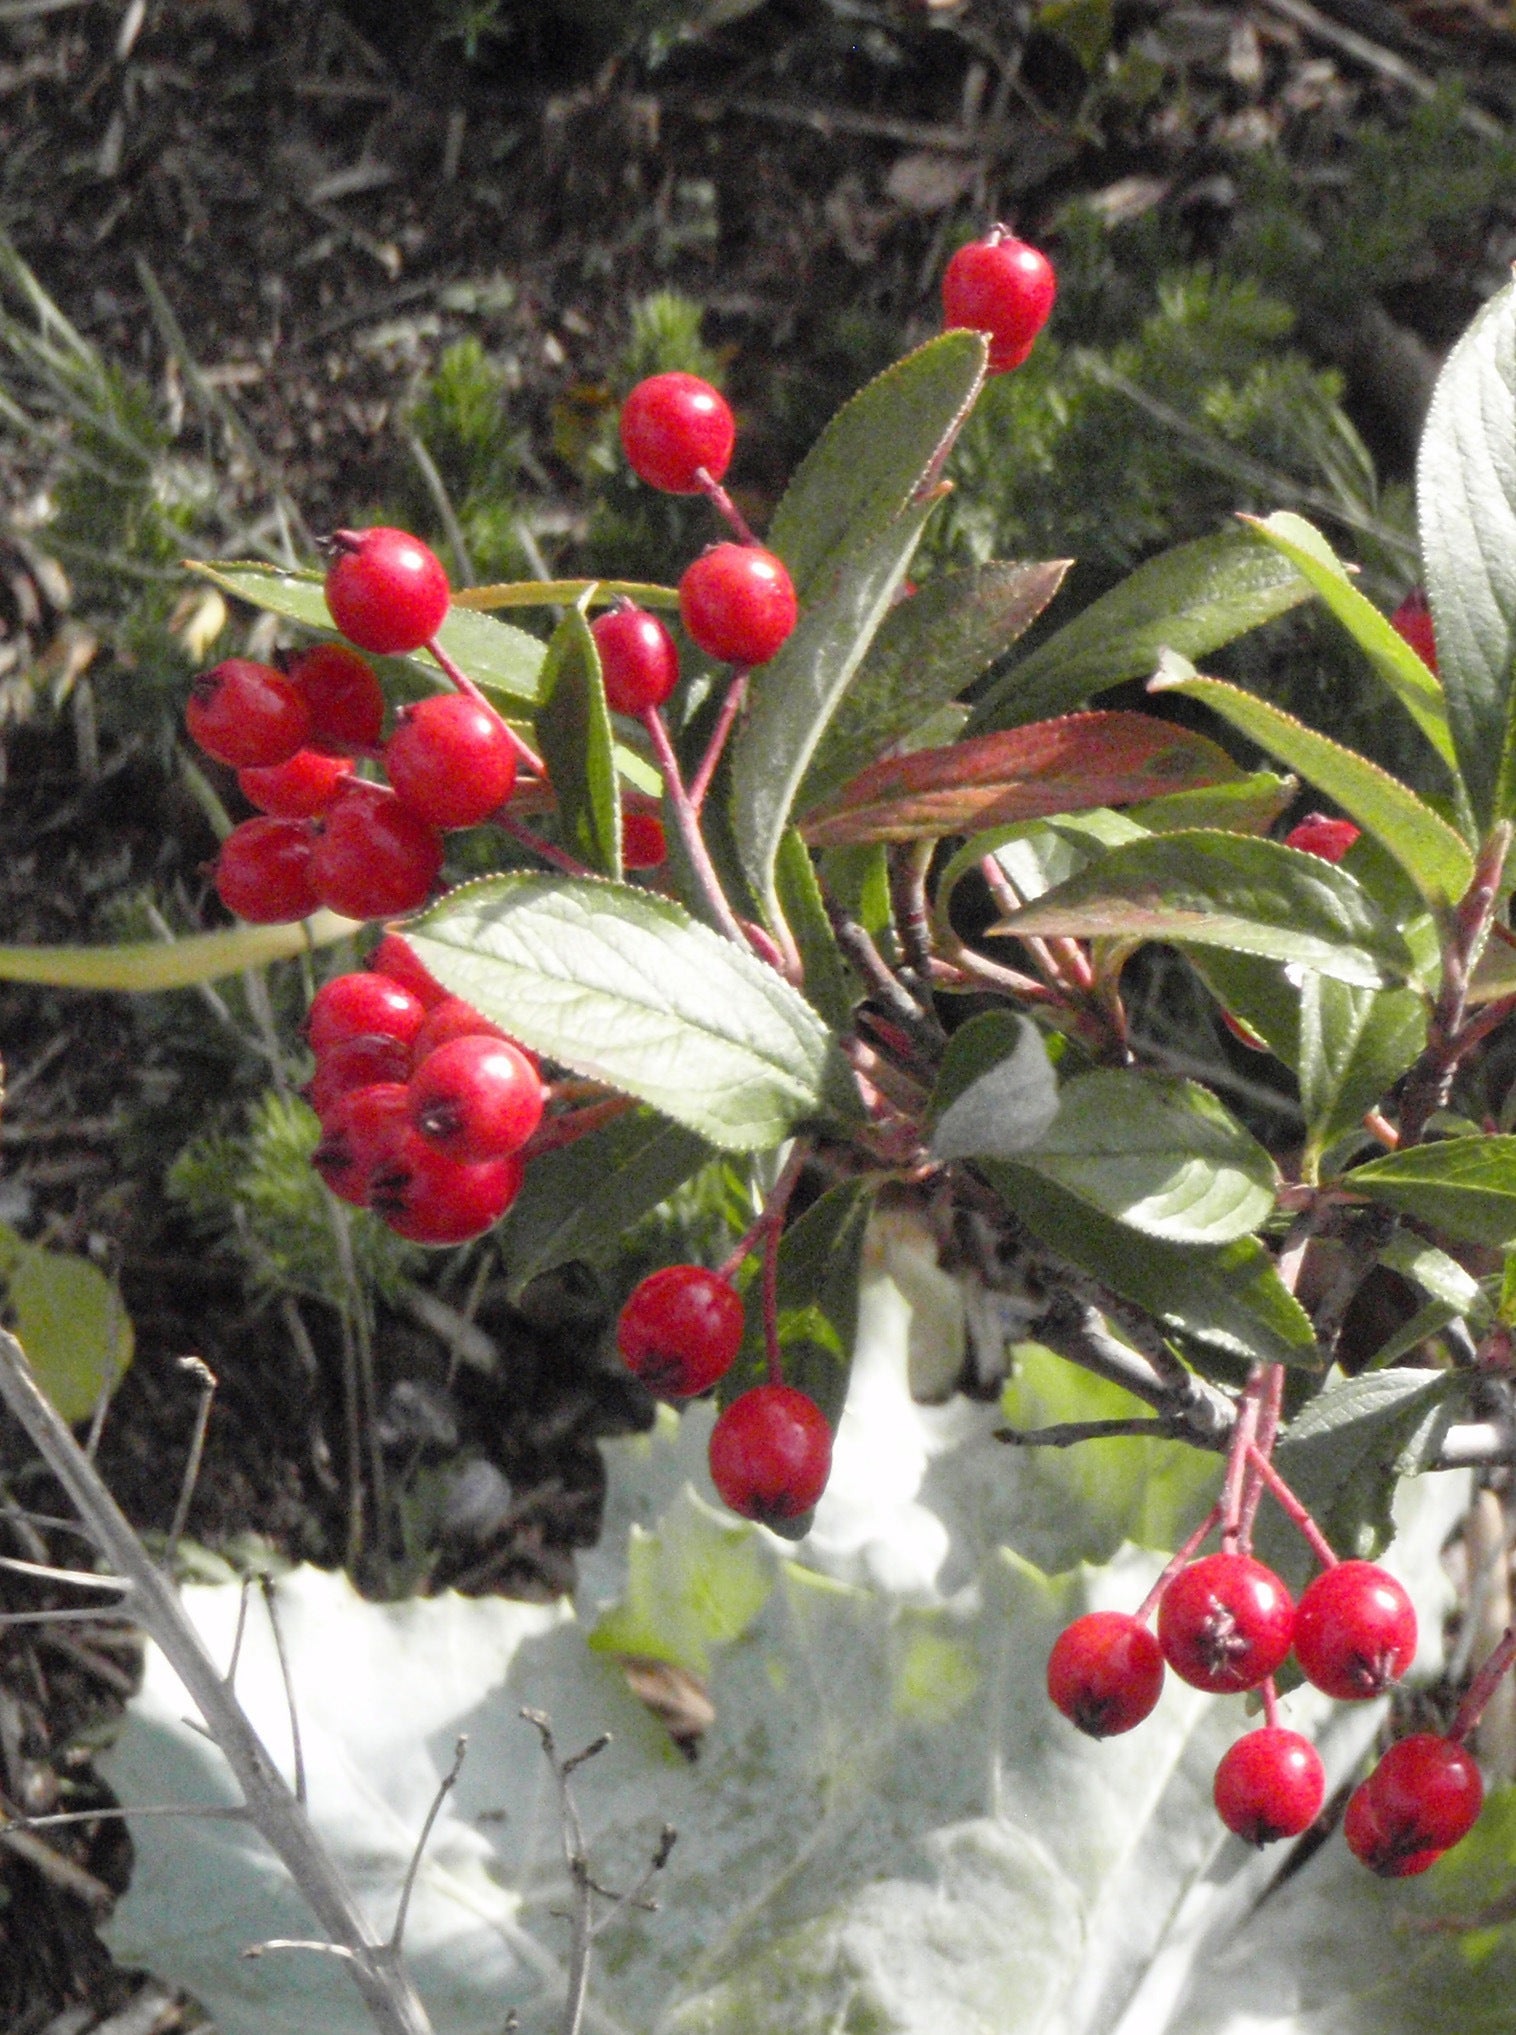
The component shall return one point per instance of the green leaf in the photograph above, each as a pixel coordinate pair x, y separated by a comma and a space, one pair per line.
1082, 760
142, 966
496, 655
1191, 599
694, 1584
1227, 1297
1229, 891
1440, 1277
1158, 1154
563, 593
927, 650
1344, 1454
830, 986
996, 1092
1352, 1044
1436, 859
69, 1319
579, 1201
1249, 806
625, 987
1392, 658
574, 729
1466, 1186
1466, 503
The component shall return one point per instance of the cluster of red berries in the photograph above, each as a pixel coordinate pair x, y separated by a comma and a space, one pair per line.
425, 1107
771, 1449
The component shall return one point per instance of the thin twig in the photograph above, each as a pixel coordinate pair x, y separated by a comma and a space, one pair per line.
206, 1377
445, 1788
297, 1750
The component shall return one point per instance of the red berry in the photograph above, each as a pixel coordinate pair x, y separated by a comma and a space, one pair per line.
738, 603
429, 1198
452, 1018
771, 1453
1327, 839
387, 593
355, 1063
672, 425
358, 1131
476, 1099
1355, 1631
396, 958
245, 714
263, 871
374, 858
1225, 1623
1003, 288
360, 1006
643, 845
1413, 620
681, 1330
1269, 1785
1427, 1792
345, 698
1105, 1672
639, 661
451, 761
300, 789
1372, 1845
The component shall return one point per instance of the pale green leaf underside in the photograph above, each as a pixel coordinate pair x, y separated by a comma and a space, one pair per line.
141, 966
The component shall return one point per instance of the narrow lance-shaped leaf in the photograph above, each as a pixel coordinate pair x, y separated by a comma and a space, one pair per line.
562, 593
1098, 759
574, 728
1466, 1186
1432, 854
1191, 599
1251, 805
1466, 502
143, 966
1227, 890
830, 985
626, 988
1352, 1044
996, 1093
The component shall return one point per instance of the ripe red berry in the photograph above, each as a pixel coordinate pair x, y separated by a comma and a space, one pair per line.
452, 1018
395, 957
1105, 1672
362, 1005
1427, 1792
643, 845
451, 761
429, 1198
1002, 287
300, 789
738, 603
476, 1099
1355, 1631
639, 661
1225, 1623
374, 858
263, 872
672, 425
1325, 838
1370, 1842
771, 1453
363, 1062
1270, 1784
386, 591
345, 698
681, 1330
357, 1133
246, 714
1413, 621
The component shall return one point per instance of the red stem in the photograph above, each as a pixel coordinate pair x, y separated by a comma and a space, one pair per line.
1270, 1705
719, 499
688, 822
1483, 1686
471, 691
567, 1129
559, 857
1236, 1463
1179, 1560
1293, 1510
1270, 1402
731, 707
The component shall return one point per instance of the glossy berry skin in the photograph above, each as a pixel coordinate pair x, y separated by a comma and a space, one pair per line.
476, 1099
300, 789
738, 603
1105, 1673
672, 425
1412, 621
1225, 1623
1327, 839
362, 1005
358, 1133
344, 696
1002, 287
429, 1198
263, 872
1269, 1784
452, 1018
386, 591
1373, 1845
355, 1063
681, 1330
395, 957
451, 761
1427, 1792
375, 859
643, 845
771, 1453
639, 660
1355, 1631
246, 714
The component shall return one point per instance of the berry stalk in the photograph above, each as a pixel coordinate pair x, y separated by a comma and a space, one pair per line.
687, 819
467, 687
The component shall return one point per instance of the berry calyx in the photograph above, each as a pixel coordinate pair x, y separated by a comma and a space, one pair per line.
246, 714
1355, 1631
672, 425
1412, 621
771, 1453
738, 603
1372, 1845
362, 1005
429, 1198
375, 859
300, 789
1105, 1672
681, 1330
344, 696
1225, 1623
386, 591
1002, 287
1427, 1792
476, 1099
396, 958
451, 761
263, 872
1269, 1784
1327, 839
643, 843
639, 660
